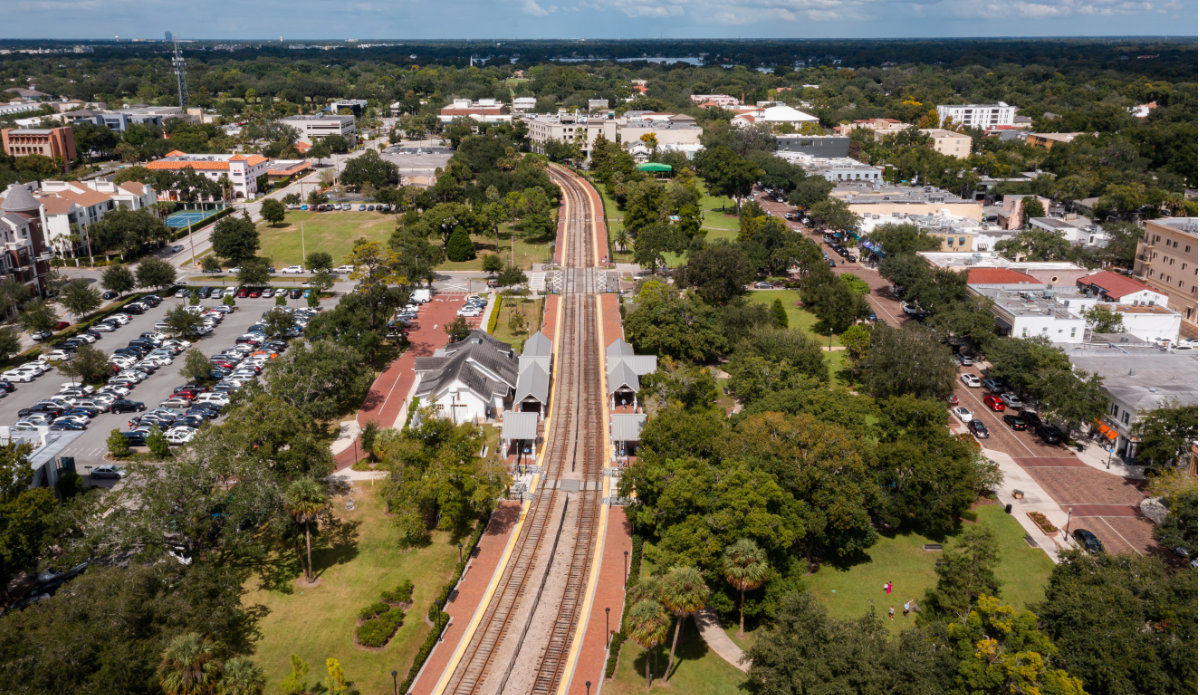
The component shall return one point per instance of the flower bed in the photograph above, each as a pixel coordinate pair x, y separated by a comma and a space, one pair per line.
1042, 522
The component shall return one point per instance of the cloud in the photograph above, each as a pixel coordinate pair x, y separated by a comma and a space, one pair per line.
531, 7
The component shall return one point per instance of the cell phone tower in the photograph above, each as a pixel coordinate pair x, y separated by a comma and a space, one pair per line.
180, 76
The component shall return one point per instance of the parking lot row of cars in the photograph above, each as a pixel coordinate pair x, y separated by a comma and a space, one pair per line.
344, 207
472, 307
245, 292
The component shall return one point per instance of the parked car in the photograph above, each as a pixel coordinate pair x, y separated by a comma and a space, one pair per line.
994, 386
994, 403
962, 413
123, 405
134, 438
1088, 540
1048, 433
1016, 422
978, 429
293, 270
109, 294
971, 380
1011, 400
108, 470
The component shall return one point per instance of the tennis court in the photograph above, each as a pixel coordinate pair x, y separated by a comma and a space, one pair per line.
182, 218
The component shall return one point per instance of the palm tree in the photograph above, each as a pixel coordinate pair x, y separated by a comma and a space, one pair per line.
683, 593
304, 500
648, 626
188, 666
745, 567
621, 238
242, 677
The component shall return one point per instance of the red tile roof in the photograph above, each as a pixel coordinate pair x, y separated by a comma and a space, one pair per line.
1113, 284
999, 276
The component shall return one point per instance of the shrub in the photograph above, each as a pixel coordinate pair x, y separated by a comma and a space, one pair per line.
377, 631
401, 594
118, 445
460, 247
1042, 522
373, 610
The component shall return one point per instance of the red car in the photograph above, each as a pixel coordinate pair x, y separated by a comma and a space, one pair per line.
242, 292
189, 394
994, 403
953, 400
255, 293
61, 325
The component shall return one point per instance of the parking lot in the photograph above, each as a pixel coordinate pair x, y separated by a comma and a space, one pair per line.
91, 446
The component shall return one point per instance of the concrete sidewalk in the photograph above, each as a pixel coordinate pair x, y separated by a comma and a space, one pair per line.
719, 642
1035, 499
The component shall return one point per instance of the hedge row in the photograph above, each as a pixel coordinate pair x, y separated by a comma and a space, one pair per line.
438, 616
495, 317
618, 638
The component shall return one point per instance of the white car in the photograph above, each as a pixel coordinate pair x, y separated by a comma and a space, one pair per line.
971, 380
180, 435
218, 399
59, 355
121, 318
217, 293
117, 390
23, 376
181, 293
470, 311
293, 270
133, 375
82, 388
103, 327
962, 413
344, 269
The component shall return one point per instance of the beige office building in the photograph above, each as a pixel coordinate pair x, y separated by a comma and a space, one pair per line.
949, 143
1166, 260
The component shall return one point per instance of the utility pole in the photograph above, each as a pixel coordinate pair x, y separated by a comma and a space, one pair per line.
180, 76
302, 254
192, 243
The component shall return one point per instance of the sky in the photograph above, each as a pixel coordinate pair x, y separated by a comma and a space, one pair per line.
600, 19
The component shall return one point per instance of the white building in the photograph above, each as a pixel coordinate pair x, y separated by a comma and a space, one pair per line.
834, 169
978, 115
524, 103
776, 115
569, 128
313, 128
240, 170
1079, 231
1137, 379
482, 111
718, 100
472, 380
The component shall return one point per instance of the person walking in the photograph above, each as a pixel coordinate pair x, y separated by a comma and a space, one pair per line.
907, 605
891, 612
887, 588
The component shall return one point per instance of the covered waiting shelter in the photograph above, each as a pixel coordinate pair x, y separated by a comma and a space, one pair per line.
659, 170
520, 430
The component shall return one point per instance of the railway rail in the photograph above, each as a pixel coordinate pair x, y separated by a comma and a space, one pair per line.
574, 454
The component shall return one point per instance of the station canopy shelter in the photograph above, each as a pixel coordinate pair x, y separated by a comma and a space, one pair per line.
625, 370
626, 433
519, 434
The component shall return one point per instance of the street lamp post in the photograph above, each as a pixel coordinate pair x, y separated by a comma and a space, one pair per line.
626, 568
588, 685
395, 685
1067, 528
606, 609
460, 553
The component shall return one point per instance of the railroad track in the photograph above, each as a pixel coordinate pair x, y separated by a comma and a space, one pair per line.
574, 448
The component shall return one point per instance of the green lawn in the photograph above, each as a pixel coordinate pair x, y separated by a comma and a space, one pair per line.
798, 318
331, 232
698, 671
531, 309
848, 593
523, 254
716, 223
318, 623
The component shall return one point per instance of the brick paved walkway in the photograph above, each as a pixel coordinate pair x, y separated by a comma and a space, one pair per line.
390, 391
470, 590
610, 593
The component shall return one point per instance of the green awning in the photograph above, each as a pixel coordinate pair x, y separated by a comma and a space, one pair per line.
655, 167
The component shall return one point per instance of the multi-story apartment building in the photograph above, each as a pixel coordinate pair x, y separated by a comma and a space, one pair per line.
879, 126
69, 208
978, 115
1166, 260
23, 253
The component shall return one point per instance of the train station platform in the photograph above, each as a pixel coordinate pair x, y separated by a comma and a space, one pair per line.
465, 599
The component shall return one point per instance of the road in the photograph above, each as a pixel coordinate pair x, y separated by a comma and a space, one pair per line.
1103, 502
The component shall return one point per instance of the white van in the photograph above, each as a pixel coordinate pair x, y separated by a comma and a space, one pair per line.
420, 296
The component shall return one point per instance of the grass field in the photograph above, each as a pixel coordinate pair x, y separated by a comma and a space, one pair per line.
331, 232
336, 232
318, 623
717, 224
531, 309
798, 318
848, 593
698, 671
